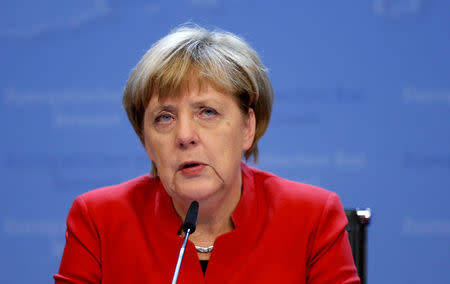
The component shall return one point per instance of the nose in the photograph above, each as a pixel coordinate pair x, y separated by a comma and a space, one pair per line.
186, 133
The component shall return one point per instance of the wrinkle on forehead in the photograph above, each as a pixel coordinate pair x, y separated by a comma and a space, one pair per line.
192, 83
198, 80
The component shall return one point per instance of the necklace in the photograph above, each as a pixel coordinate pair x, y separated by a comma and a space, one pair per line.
201, 249
204, 249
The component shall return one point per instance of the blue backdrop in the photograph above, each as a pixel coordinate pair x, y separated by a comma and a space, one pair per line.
362, 108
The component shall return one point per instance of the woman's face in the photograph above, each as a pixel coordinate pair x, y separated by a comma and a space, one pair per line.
196, 141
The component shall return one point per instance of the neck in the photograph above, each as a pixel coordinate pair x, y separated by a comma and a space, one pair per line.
214, 218
211, 227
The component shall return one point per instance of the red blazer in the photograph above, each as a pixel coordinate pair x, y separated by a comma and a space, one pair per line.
285, 232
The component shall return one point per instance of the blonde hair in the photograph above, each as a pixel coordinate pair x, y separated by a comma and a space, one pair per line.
219, 58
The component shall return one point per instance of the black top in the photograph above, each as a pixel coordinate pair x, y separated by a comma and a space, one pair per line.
204, 264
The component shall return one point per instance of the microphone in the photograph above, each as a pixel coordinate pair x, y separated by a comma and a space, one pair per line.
190, 222
189, 225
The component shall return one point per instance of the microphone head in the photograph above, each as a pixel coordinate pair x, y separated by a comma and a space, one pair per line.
190, 222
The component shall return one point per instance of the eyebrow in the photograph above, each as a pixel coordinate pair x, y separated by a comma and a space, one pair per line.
169, 108
196, 104
208, 101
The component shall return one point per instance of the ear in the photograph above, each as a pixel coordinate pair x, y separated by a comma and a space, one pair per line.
249, 129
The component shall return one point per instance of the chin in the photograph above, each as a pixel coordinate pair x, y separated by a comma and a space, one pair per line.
197, 191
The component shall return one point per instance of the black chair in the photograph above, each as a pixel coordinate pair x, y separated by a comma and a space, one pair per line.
358, 220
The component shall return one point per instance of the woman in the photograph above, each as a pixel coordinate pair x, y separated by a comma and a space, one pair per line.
200, 101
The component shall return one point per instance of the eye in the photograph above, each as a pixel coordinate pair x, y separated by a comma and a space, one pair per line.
208, 112
163, 118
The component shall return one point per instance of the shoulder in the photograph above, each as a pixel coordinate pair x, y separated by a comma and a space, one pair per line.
298, 206
280, 189
116, 197
285, 198
119, 190
112, 206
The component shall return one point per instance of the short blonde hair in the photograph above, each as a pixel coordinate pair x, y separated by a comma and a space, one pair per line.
219, 58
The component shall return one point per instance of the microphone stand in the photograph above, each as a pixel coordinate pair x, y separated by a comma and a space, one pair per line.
189, 225
180, 257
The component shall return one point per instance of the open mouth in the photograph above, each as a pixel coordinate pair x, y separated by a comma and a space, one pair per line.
189, 165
